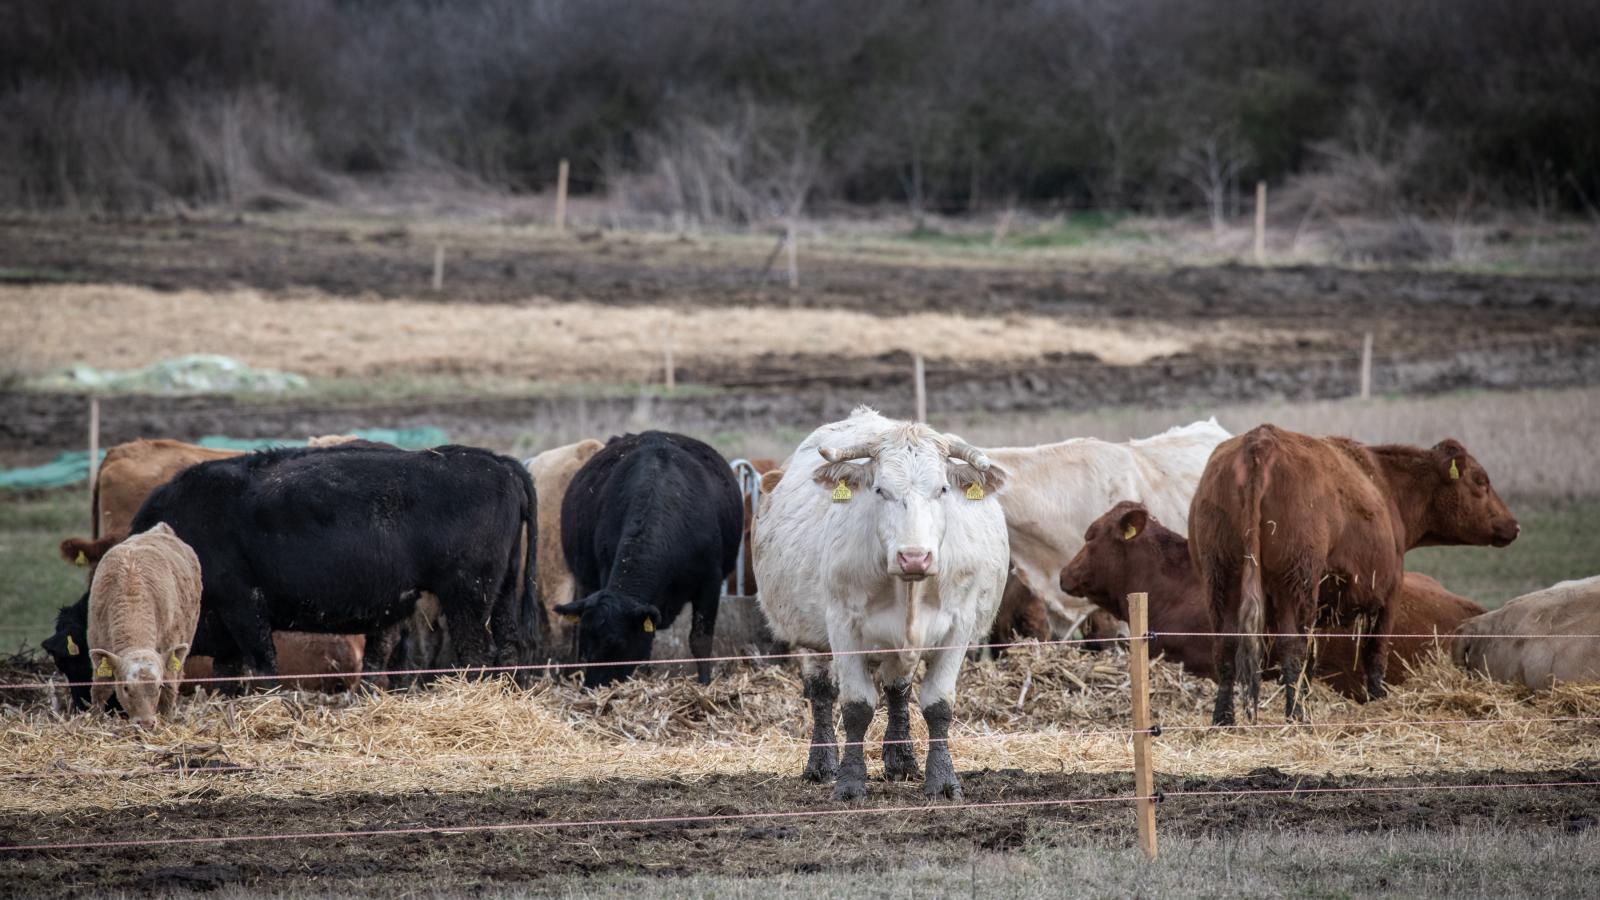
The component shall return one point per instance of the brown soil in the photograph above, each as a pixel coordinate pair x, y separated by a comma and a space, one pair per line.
462, 861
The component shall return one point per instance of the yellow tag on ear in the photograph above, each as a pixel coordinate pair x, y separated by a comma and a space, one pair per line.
842, 493
1130, 533
974, 491
569, 618
176, 664
81, 560
649, 626
1454, 472
104, 670
72, 646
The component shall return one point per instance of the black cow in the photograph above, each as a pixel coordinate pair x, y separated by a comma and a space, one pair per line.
69, 647
650, 523
342, 540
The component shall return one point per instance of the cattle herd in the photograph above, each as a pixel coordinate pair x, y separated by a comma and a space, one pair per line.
878, 547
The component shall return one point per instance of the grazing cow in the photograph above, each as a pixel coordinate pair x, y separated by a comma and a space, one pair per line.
649, 525
325, 663
884, 545
1287, 530
144, 605
344, 540
1128, 550
1058, 489
552, 472
1557, 639
750, 587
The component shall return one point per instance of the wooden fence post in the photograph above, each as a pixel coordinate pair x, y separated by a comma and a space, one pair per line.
1261, 222
794, 264
1366, 367
438, 267
920, 380
94, 462
561, 197
672, 372
1139, 682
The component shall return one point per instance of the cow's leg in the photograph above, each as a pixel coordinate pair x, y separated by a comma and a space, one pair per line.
1294, 604
938, 694
467, 610
860, 698
1375, 650
704, 626
899, 756
378, 655
823, 762
251, 630
1224, 648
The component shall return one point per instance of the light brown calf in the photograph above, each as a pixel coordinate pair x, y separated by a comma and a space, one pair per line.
552, 471
144, 605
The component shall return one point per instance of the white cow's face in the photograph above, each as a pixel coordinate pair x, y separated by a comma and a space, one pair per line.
908, 484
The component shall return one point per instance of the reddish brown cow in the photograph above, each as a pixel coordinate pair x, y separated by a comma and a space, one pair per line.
1022, 615
1278, 515
1128, 550
325, 663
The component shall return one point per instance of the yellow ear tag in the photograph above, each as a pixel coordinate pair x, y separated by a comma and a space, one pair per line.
569, 618
176, 664
649, 626
974, 491
104, 670
1130, 533
81, 560
72, 646
842, 493
1455, 473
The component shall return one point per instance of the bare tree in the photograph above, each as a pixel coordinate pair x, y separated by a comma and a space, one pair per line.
1210, 160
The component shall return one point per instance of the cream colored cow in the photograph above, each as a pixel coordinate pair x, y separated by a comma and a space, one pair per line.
144, 605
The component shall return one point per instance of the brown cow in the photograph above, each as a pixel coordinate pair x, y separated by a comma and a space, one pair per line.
1279, 514
1022, 615
748, 589
1128, 550
305, 660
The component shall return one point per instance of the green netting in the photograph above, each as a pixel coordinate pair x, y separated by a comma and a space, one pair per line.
197, 373
72, 467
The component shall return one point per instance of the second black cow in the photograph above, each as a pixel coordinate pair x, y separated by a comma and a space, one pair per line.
649, 525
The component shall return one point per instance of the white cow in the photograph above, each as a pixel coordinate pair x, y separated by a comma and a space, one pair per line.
1058, 490
878, 545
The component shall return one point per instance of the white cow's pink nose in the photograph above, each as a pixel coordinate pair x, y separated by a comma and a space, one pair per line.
914, 562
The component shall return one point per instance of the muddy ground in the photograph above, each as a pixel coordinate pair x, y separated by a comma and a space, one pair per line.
463, 861
1435, 331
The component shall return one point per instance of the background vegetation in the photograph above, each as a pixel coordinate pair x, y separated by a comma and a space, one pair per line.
734, 112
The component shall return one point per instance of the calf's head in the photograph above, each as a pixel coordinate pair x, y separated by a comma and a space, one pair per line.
1120, 553
613, 633
1463, 507
909, 480
136, 676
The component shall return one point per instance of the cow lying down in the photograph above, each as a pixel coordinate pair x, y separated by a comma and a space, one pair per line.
1126, 550
144, 605
1570, 610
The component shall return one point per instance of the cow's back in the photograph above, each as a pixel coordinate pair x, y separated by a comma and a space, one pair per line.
1551, 637
131, 471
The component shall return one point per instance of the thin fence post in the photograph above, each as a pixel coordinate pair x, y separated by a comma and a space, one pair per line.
794, 264
672, 372
1139, 683
920, 381
1366, 367
1261, 222
94, 460
561, 196
438, 267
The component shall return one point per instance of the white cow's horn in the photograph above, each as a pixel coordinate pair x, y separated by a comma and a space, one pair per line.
969, 454
859, 451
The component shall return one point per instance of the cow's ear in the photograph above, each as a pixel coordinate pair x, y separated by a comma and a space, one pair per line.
1450, 458
649, 618
587, 448
852, 475
572, 611
976, 483
1133, 523
105, 663
176, 654
769, 480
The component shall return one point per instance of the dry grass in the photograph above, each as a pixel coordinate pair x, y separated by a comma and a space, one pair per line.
476, 735
315, 334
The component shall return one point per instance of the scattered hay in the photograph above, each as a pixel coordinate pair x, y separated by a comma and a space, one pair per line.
471, 735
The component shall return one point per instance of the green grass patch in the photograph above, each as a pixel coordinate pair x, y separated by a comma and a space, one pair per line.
1071, 230
1560, 540
34, 581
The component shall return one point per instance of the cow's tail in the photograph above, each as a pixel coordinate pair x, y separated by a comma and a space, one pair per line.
1252, 599
530, 615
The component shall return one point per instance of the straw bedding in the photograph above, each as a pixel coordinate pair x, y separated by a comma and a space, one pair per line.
1027, 710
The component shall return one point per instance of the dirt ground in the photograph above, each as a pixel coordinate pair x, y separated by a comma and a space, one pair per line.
465, 861
582, 317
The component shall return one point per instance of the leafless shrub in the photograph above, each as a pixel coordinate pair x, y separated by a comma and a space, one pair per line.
245, 143
94, 146
1210, 160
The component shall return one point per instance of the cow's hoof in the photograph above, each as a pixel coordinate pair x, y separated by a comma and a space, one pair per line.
900, 763
818, 774
850, 789
946, 789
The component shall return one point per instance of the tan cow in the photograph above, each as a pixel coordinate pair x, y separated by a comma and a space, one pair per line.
552, 471
1570, 611
144, 605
